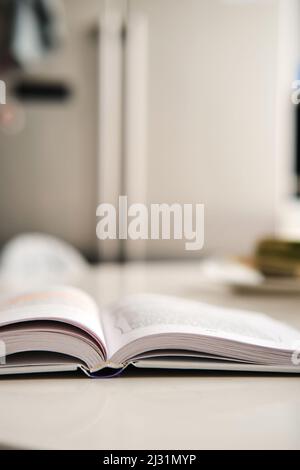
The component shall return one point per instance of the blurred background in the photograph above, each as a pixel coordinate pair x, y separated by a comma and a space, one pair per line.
162, 100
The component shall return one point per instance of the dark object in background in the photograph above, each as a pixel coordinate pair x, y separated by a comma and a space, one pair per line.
7, 17
36, 90
45, 18
28, 30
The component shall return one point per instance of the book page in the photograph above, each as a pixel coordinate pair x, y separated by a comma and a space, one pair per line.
143, 315
63, 304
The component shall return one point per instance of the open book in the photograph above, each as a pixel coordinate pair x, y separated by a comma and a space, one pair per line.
62, 329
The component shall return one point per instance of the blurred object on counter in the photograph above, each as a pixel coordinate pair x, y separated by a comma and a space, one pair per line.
278, 257
231, 271
33, 260
29, 29
241, 276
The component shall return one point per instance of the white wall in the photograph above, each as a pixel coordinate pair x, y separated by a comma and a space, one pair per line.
213, 69
211, 120
287, 206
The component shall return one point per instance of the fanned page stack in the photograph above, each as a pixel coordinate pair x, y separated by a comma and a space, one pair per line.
62, 329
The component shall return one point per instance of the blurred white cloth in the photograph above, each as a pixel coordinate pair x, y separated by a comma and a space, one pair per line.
37, 29
33, 260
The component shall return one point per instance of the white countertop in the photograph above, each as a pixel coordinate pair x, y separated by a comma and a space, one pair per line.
157, 410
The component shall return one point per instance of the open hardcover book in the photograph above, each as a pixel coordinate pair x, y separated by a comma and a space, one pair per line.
62, 329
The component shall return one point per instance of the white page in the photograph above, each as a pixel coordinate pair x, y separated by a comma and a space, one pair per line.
63, 304
139, 316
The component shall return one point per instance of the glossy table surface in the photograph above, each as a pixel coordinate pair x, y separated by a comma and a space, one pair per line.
157, 410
